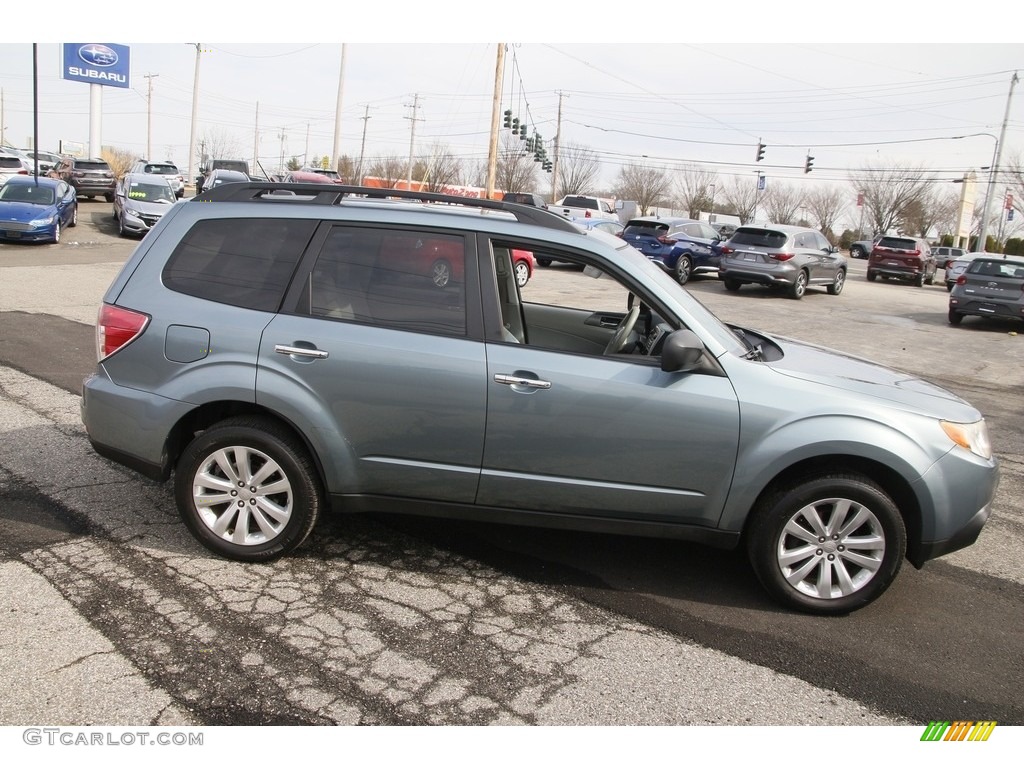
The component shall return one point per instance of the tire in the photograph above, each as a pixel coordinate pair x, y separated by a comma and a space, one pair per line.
56, 232
74, 217
731, 285
522, 270
799, 286
441, 273
683, 270
949, 287
837, 283
930, 280
872, 277
807, 556
856, 252
109, 198
955, 318
544, 262
281, 504
121, 231
919, 281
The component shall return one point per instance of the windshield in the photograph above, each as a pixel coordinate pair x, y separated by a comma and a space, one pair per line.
150, 193
163, 170
27, 193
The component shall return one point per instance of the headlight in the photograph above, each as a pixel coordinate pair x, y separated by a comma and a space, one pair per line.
42, 222
973, 437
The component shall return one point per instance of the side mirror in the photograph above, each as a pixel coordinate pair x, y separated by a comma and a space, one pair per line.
682, 352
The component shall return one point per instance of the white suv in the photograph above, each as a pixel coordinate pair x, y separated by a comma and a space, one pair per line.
166, 169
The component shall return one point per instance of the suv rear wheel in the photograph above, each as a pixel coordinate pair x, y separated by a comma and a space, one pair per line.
683, 269
799, 286
837, 283
828, 544
247, 489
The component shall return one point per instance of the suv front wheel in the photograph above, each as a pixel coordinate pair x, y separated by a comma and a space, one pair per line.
247, 489
827, 545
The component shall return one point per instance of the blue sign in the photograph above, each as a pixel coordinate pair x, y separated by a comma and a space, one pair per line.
1009, 215
760, 182
98, 63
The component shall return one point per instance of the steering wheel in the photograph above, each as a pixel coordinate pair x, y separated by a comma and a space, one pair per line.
625, 327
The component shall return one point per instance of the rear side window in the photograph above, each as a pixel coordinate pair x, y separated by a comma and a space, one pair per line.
580, 202
413, 281
241, 262
764, 238
10, 162
161, 169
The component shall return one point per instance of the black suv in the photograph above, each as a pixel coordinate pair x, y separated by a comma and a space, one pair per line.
91, 177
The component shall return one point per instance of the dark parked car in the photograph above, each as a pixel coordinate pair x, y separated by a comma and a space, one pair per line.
33, 210
167, 169
219, 176
682, 247
140, 201
282, 356
91, 177
902, 258
782, 256
861, 249
990, 287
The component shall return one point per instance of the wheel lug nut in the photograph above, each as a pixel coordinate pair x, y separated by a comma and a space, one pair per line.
835, 537
818, 552
841, 548
821, 539
234, 493
241, 503
831, 557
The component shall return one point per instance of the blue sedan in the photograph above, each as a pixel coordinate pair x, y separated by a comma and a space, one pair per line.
34, 210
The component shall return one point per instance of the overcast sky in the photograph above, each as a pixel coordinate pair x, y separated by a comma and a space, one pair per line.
705, 91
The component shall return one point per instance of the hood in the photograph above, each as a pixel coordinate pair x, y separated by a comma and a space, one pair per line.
836, 369
148, 207
25, 212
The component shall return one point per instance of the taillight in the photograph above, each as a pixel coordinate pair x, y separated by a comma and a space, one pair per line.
666, 240
961, 280
726, 250
782, 256
116, 327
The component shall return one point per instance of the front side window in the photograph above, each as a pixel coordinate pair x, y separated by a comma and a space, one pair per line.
402, 279
242, 262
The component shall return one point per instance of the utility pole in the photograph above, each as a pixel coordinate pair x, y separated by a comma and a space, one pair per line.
994, 170
149, 117
558, 139
336, 150
195, 116
3, 128
492, 148
305, 155
256, 143
412, 138
282, 137
362, 146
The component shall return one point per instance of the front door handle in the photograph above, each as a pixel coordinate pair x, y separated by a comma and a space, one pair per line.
520, 381
283, 349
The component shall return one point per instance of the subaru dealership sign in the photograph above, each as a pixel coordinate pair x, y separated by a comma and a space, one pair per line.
98, 63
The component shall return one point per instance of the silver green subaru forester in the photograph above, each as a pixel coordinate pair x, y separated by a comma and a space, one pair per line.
282, 349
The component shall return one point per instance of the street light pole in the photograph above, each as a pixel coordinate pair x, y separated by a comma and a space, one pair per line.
994, 170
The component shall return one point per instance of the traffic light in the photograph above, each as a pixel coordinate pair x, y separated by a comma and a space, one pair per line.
515, 126
547, 166
508, 118
760, 151
529, 145
522, 131
809, 164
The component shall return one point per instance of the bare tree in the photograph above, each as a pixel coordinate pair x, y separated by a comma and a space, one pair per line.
826, 205
346, 168
648, 186
516, 171
217, 143
119, 160
694, 188
390, 169
782, 203
1013, 178
888, 193
578, 170
442, 168
741, 196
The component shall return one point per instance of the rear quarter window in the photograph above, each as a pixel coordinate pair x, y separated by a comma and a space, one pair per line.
242, 262
649, 228
903, 243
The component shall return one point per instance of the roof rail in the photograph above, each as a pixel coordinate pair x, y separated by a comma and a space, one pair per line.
324, 194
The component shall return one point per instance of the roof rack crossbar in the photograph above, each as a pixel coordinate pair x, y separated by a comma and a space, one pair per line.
323, 194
